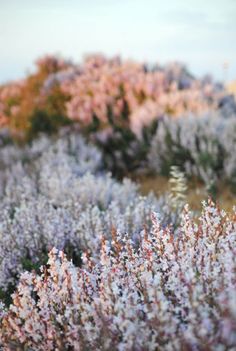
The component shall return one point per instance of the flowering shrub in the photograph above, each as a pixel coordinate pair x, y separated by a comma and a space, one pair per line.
23, 108
49, 197
116, 103
133, 94
171, 293
68, 149
9, 101
203, 147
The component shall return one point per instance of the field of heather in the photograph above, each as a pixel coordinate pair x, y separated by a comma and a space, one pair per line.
117, 218
117, 175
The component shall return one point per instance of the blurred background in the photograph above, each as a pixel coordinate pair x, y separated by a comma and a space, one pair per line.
200, 33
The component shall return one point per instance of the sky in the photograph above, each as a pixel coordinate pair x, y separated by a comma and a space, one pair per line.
199, 33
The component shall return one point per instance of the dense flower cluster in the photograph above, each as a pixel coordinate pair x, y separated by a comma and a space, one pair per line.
143, 93
204, 147
53, 193
99, 87
171, 293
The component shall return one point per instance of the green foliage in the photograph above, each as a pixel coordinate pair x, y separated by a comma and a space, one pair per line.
73, 254
5, 295
93, 127
204, 160
42, 121
232, 183
175, 154
122, 150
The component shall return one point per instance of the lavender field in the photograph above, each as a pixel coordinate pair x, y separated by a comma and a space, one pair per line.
117, 189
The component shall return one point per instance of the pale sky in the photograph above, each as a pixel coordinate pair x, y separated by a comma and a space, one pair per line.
200, 33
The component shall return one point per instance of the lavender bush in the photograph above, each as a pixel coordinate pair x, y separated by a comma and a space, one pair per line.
173, 293
203, 147
53, 193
